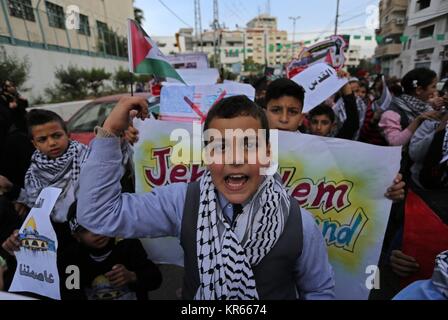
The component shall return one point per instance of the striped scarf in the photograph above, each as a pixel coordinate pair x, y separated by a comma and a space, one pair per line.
440, 275
225, 264
445, 146
62, 172
412, 106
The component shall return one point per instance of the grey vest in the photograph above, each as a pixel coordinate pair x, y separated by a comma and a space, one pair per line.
274, 275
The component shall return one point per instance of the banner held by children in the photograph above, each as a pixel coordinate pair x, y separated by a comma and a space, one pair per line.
341, 182
37, 270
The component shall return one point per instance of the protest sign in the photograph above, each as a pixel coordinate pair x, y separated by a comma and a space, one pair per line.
194, 77
341, 182
185, 103
320, 82
37, 270
330, 51
195, 60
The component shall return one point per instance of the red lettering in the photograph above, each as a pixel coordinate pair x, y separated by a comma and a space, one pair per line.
161, 156
177, 173
301, 192
327, 193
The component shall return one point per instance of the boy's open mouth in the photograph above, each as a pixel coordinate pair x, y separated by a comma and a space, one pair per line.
235, 181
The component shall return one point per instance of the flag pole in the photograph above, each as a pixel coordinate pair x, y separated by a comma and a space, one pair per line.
130, 56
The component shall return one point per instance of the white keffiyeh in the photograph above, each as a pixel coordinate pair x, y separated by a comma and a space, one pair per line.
445, 146
225, 264
62, 172
440, 275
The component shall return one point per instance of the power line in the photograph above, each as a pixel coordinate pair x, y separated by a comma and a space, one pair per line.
174, 14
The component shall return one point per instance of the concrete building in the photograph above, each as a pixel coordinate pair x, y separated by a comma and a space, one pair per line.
392, 26
427, 38
353, 56
260, 41
181, 42
269, 45
50, 35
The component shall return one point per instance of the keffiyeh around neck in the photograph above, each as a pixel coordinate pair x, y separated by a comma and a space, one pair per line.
225, 264
440, 275
62, 172
445, 146
412, 106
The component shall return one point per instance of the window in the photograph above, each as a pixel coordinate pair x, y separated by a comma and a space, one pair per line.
84, 27
409, 44
426, 32
423, 4
55, 14
21, 9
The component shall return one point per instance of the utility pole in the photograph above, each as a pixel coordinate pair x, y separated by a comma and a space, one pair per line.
198, 24
294, 19
215, 27
337, 19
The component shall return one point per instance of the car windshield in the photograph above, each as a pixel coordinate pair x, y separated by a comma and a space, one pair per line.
90, 116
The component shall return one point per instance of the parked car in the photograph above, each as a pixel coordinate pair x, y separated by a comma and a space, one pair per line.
83, 122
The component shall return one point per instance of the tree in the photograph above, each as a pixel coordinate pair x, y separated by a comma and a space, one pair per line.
251, 66
14, 69
71, 85
95, 78
122, 78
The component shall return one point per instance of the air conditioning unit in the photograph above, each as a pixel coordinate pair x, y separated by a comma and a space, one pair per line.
400, 21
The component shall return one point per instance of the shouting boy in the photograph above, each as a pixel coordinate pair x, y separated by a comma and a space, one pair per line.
243, 236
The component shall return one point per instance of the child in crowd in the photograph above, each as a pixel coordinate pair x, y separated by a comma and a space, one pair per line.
284, 99
229, 252
3, 268
435, 288
410, 109
55, 163
111, 269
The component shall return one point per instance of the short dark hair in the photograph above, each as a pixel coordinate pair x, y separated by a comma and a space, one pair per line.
321, 110
237, 106
37, 117
284, 87
419, 77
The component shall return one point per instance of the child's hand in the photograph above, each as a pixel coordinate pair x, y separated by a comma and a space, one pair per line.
131, 135
120, 276
21, 209
121, 116
403, 265
12, 244
396, 191
5, 184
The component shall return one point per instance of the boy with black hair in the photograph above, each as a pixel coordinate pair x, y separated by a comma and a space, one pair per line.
55, 163
111, 269
243, 236
321, 121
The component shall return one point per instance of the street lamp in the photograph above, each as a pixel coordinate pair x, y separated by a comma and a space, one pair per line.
294, 19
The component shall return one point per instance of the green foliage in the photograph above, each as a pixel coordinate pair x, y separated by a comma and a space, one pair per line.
95, 78
14, 69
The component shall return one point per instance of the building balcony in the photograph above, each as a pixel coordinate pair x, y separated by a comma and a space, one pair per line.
388, 50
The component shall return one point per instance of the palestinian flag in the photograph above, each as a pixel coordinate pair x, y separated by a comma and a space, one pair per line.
145, 57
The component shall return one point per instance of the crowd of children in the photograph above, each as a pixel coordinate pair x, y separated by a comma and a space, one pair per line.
238, 227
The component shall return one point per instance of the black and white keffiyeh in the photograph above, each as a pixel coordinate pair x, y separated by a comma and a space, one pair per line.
62, 172
445, 146
440, 275
412, 106
225, 264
